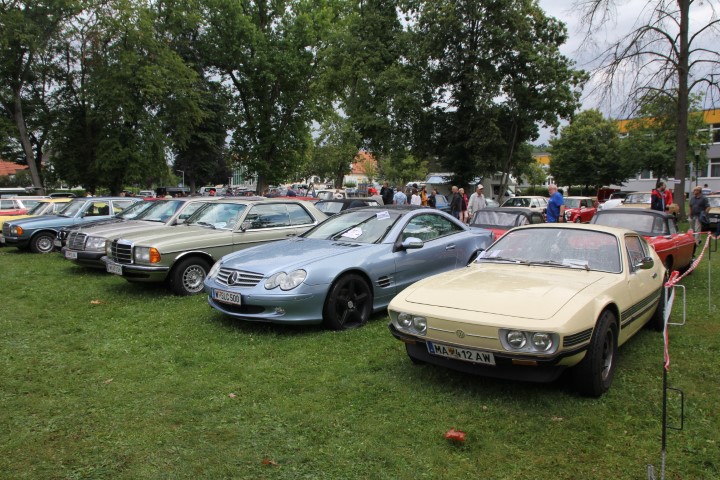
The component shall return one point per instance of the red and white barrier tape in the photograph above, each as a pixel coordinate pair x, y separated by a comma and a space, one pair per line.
675, 277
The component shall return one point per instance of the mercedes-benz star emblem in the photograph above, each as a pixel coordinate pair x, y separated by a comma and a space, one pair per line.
233, 278
460, 334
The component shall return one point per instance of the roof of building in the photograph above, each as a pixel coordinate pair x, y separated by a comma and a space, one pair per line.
10, 168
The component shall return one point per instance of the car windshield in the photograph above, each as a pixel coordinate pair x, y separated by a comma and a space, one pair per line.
714, 201
499, 219
72, 208
650, 225
364, 226
638, 198
572, 203
556, 247
161, 210
135, 210
221, 216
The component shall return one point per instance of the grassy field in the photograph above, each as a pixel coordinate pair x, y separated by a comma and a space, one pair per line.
104, 379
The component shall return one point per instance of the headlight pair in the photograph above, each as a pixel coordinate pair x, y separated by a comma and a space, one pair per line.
415, 324
286, 281
529, 342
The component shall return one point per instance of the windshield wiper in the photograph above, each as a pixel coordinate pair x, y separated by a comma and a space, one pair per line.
206, 224
563, 264
504, 259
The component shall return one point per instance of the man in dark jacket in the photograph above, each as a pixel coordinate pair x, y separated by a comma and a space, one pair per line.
657, 197
387, 194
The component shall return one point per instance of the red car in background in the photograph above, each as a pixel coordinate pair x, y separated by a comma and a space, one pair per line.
676, 249
580, 209
18, 205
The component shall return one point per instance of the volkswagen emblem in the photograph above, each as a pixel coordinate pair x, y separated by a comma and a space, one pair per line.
233, 278
460, 334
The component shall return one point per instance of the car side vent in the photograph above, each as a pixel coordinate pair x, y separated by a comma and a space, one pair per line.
383, 281
578, 338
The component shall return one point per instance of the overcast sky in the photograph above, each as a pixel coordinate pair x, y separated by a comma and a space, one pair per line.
626, 18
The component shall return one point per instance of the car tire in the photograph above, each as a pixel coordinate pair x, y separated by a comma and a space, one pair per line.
42, 243
348, 304
657, 321
188, 275
594, 374
577, 219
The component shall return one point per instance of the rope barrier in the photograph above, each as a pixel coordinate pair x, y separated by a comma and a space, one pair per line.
675, 277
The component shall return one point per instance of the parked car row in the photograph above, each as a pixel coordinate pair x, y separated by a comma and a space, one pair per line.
508, 296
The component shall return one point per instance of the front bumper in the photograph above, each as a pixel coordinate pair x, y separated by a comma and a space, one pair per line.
84, 258
507, 365
137, 273
299, 308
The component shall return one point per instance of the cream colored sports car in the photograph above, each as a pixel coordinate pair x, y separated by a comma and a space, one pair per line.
541, 299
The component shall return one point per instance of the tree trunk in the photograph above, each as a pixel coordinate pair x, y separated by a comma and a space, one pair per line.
27, 146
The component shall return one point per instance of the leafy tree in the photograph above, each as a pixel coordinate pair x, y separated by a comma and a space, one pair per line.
335, 149
588, 152
664, 56
128, 99
269, 55
28, 35
402, 169
651, 141
491, 73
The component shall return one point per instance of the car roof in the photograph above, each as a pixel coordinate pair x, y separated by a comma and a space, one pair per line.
524, 210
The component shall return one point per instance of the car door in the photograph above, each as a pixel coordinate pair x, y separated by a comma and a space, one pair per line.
262, 223
684, 245
642, 287
439, 252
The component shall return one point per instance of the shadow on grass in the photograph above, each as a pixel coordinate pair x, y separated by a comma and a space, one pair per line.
258, 327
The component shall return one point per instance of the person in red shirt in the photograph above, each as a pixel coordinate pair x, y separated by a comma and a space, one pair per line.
668, 197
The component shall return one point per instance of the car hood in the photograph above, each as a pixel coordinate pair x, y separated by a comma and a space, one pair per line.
117, 229
44, 221
290, 254
169, 238
507, 290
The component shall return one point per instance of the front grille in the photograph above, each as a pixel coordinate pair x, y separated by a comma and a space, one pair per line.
121, 252
238, 278
76, 241
6, 229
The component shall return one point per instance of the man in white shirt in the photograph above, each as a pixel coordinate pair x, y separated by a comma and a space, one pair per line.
476, 202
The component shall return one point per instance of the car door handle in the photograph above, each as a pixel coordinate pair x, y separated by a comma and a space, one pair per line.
291, 235
450, 247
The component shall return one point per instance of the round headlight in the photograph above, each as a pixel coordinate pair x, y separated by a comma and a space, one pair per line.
405, 320
516, 339
292, 279
420, 324
542, 341
274, 280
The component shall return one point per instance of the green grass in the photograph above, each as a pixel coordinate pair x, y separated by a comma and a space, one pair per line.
104, 379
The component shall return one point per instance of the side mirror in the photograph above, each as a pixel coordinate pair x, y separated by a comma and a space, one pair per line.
412, 243
645, 264
245, 225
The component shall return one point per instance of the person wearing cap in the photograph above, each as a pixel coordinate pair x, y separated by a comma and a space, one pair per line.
699, 208
477, 201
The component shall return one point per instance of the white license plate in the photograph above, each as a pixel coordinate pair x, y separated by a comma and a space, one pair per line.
227, 297
70, 255
57, 243
465, 354
114, 268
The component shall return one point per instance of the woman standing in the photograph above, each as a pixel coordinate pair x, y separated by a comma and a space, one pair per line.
464, 213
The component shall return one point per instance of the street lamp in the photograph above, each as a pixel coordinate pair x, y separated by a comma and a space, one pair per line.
183, 177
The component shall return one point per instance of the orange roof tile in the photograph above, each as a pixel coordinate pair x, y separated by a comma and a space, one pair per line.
10, 168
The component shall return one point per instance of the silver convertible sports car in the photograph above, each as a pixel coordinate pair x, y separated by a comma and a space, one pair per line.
561, 296
344, 269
